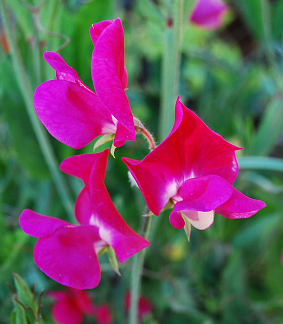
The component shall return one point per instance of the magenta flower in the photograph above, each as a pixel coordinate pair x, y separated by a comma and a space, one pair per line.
144, 305
194, 169
70, 306
68, 253
73, 113
208, 14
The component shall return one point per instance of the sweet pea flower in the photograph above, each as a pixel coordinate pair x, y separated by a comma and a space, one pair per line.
208, 14
144, 305
68, 253
73, 113
193, 169
70, 306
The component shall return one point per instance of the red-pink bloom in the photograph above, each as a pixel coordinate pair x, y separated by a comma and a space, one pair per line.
73, 113
68, 253
70, 306
103, 314
208, 14
144, 305
194, 168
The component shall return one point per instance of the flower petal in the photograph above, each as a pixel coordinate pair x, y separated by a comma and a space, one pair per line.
203, 193
66, 312
63, 70
94, 205
208, 14
204, 152
108, 74
71, 113
97, 29
68, 256
176, 220
200, 220
38, 225
240, 206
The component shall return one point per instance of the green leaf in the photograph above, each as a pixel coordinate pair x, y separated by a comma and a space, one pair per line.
277, 21
19, 314
188, 227
23, 291
113, 259
271, 124
260, 163
252, 11
102, 140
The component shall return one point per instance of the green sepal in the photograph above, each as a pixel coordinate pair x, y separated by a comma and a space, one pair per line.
103, 139
113, 259
187, 227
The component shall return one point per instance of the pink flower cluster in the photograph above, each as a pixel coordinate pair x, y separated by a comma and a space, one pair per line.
192, 170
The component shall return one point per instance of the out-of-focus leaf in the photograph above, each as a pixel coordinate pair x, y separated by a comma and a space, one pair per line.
270, 129
23, 17
263, 182
260, 163
257, 233
149, 10
23, 138
277, 19
252, 11
234, 291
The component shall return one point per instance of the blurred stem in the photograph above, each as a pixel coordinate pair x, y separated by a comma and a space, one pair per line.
171, 67
137, 273
27, 93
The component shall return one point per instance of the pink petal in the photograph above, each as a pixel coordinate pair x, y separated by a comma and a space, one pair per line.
38, 225
97, 29
103, 315
108, 74
63, 70
81, 165
176, 220
94, 205
240, 206
203, 193
71, 113
204, 152
208, 14
200, 220
83, 301
66, 312
68, 256
158, 175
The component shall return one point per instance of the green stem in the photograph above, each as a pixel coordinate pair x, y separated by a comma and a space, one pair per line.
27, 93
137, 274
171, 67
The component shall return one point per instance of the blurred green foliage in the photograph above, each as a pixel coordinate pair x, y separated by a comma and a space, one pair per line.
232, 78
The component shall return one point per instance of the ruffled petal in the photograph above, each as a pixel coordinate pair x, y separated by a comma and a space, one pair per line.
71, 113
94, 205
203, 193
63, 70
240, 206
108, 74
200, 220
97, 29
204, 152
208, 14
68, 256
38, 225
176, 220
